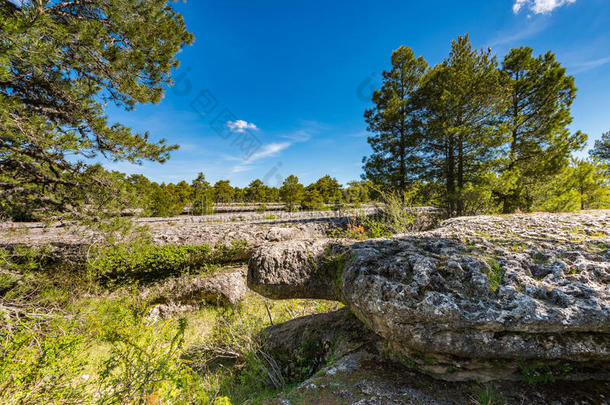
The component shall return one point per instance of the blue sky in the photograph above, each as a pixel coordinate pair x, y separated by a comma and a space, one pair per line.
293, 78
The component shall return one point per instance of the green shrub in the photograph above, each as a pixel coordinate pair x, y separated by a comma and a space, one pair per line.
535, 373
144, 368
489, 396
312, 200
396, 215
149, 262
40, 363
146, 262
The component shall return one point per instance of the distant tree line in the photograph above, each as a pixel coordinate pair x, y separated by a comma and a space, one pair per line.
471, 134
474, 135
200, 196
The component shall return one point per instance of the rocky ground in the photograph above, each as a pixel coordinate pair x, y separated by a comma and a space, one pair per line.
489, 309
255, 228
509, 298
362, 372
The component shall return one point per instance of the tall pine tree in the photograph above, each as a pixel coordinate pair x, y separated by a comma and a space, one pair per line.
61, 62
539, 94
601, 150
458, 109
395, 141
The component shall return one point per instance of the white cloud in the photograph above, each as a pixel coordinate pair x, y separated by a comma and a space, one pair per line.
240, 126
526, 31
539, 6
590, 64
268, 150
241, 168
271, 149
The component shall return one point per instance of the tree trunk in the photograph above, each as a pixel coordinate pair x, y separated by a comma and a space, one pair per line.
460, 177
450, 173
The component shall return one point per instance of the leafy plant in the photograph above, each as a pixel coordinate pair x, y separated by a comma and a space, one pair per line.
39, 363
147, 262
141, 367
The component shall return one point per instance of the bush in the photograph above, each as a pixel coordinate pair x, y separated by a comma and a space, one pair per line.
490, 396
143, 368
149, 262
39, 363
312, 200
395, 215
146, 262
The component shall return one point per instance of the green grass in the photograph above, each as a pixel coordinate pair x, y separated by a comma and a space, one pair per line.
488, 395
494, 273
82, 341
145, 262
540, 258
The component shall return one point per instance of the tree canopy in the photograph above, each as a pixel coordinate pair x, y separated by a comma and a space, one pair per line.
601, 150
61, 63
484, 134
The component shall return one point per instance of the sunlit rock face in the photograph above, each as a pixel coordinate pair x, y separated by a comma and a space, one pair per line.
486, 297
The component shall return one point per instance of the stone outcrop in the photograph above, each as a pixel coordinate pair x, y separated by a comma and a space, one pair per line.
294, 269
188, 230
185, 294
478, 298
361, 373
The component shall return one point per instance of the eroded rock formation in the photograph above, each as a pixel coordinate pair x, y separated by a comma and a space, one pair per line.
478, 298
185, 294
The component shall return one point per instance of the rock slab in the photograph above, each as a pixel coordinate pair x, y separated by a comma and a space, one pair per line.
487, 297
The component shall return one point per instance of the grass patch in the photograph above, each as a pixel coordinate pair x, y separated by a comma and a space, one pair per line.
146, 262
494, 274
488, 395
541, 258
65, 339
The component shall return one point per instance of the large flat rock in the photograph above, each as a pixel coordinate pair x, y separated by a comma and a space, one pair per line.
478, 298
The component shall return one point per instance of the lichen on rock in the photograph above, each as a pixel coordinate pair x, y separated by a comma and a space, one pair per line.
470, 295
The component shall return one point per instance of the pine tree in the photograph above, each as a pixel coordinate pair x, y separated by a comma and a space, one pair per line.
223, 192
601, 150
60, 63
291, 192
539, 94
395, 141
256, 191
329, 189
458, 109
203, 195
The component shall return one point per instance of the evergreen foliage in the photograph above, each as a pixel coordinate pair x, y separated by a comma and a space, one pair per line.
60, 64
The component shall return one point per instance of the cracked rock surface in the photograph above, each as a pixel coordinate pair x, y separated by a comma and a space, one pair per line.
185, 294
477, 298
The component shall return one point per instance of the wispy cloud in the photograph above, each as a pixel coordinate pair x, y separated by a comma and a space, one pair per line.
590, 64
534, 27
271, 149
539, 6
268, 150
301, 135
240, 126
241, 168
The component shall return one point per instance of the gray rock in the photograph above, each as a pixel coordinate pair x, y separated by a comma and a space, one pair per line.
474, 294
188, 293
294, 269
359, 373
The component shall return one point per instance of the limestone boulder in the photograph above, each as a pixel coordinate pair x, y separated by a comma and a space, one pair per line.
477, 298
